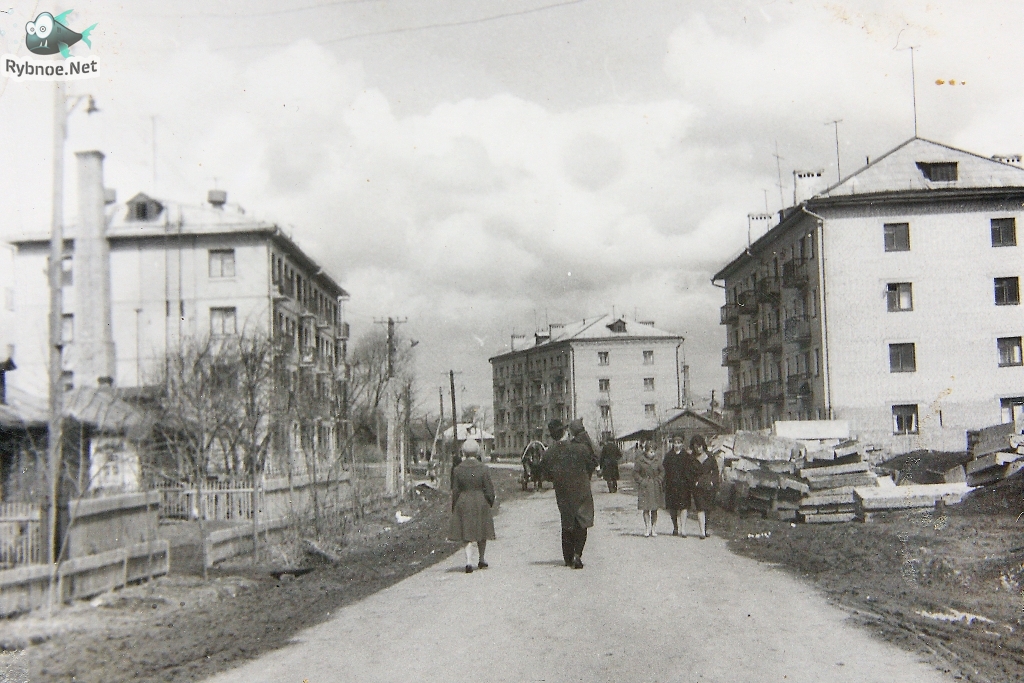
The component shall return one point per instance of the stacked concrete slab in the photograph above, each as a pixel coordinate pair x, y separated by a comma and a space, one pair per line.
997, 452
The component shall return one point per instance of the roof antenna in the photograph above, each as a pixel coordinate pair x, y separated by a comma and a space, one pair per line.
839, 173
913, 82
778, 168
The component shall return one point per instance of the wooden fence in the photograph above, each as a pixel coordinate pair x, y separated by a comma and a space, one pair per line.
222, 500
20, 535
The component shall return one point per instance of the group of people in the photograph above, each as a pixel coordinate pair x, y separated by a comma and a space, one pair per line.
681, 480
569, 463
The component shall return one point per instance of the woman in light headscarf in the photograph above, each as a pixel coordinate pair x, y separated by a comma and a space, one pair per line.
649, 475
472, 500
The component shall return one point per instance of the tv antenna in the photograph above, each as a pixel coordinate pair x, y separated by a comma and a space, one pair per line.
836, 122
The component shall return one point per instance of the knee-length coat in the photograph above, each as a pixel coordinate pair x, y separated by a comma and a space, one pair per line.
649, 475
569, 466
472, 500
680, 476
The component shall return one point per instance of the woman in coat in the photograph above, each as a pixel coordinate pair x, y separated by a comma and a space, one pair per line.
472, 500
679, 473
649, 476
706, 481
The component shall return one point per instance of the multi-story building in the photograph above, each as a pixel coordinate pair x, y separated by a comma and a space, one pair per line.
618, 375
891, 299
143, 276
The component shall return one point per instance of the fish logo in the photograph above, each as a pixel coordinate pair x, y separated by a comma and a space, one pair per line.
48, 36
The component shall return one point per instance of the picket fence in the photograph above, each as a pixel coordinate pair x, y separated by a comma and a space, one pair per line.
20, 535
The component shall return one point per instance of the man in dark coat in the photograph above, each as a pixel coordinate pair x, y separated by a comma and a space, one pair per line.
610, 457
569, 465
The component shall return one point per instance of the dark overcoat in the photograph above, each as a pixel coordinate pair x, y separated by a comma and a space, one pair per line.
472, 499
680, 475
706, 482
569, 465
610, 457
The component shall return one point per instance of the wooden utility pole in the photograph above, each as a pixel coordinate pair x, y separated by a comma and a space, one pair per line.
455, 415
55, 436
391, 411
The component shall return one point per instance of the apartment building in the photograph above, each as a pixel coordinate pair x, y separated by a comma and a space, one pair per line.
617, 374
143, 276
891, 299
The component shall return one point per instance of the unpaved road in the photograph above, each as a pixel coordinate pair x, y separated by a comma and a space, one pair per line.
643, 610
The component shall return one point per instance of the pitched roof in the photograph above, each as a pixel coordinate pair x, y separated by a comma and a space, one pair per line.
602, 327
900, 169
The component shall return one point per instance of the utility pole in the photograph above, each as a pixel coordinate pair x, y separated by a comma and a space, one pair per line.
393, 454
55, 435
455, 415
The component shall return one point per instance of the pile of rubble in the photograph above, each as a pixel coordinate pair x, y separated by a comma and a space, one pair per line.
813, 472
997, 452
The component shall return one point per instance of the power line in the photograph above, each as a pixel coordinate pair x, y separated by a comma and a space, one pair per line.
412, 29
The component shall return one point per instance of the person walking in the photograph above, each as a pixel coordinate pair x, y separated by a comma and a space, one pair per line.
707, 478
649, 475
679, 475
472, 499
569, 465
610, 457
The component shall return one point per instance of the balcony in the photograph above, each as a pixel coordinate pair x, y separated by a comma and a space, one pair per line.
730, 356
730, 313
771, 340
795, 274
798, 329
343, 331
771, 390
749, 349
732, 400
769, 290
751, 395
798, 385
747, 299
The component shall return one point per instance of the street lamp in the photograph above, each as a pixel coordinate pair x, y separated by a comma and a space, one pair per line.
61, 112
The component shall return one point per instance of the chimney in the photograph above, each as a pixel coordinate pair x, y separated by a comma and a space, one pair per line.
218, 198
93, 345
518, 340
1013, 159
109, 195
806, 184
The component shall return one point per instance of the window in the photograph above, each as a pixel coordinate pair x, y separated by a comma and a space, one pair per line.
648, 357
67, 328
1012, 409
602, 358
649, 410
1004, 232
1009, 351
222, 263
648, 384
1007, 291
222, 321
897, 236
943, 171
899, 297
904, 419
66, 271
902, 358
604, 385
606, 412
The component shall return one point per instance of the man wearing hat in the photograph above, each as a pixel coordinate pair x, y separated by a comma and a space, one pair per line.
569, 465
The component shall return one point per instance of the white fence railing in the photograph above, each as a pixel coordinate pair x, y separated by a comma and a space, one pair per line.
227, 501
20, 535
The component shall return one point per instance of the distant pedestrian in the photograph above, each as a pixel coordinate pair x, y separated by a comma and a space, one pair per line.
569, 464
649, 475
679, 480
707, 479
472, 500
610, 457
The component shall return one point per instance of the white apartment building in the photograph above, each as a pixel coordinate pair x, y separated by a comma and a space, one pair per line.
618, 375
891, 299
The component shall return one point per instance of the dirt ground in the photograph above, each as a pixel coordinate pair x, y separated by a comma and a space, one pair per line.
180, 628
948, 584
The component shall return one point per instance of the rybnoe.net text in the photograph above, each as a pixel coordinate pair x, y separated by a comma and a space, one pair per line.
27, 69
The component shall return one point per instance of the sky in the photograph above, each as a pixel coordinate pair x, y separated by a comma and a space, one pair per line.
483, 168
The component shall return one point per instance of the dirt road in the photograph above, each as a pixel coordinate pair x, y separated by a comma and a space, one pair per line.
643, 609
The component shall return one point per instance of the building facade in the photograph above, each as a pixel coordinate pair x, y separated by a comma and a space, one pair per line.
891, 299
143, 277
617, 375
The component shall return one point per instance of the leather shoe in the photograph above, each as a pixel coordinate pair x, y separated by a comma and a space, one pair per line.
482, 565
577, 563
469, 569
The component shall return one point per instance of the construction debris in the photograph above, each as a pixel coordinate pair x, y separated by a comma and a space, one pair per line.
997, 452
872, 500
